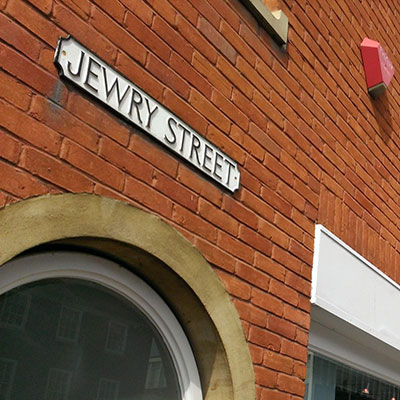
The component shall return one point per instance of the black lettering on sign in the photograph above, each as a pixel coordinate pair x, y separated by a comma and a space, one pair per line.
230, 165
83, 68
173, 139
151, 112
207, 157
195, 147
184, 132
135, 102
218, 165
78, 72
115, 86
91, 74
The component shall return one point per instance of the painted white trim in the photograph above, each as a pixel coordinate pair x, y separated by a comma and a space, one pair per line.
349, 325
320, 228
113, 276
350, 287
348, 345
314, 278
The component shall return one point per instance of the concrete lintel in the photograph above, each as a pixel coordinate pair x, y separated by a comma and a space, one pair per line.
275, 22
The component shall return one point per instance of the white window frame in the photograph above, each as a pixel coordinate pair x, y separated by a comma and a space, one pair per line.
92, 268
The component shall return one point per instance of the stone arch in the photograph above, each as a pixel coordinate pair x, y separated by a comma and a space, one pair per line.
154, 250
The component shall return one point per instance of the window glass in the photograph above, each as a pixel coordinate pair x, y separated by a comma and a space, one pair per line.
58, 384
330, 380
108, 389
80, 341
14, 309
116, 337
69, 323
7, 370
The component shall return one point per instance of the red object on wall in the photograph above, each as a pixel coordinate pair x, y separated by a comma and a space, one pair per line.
378, 68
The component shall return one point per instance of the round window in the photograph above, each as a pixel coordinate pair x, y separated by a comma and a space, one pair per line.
75, 326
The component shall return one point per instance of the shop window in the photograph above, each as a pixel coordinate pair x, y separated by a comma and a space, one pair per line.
332, 380
108, 308
354, 340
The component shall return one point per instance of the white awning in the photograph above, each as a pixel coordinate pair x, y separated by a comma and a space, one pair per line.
355, 309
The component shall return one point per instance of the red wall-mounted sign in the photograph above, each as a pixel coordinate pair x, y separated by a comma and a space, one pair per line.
378, 68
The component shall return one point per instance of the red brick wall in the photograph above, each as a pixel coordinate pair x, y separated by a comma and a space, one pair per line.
311, 144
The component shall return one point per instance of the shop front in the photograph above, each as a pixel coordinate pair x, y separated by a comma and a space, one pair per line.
354, 344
